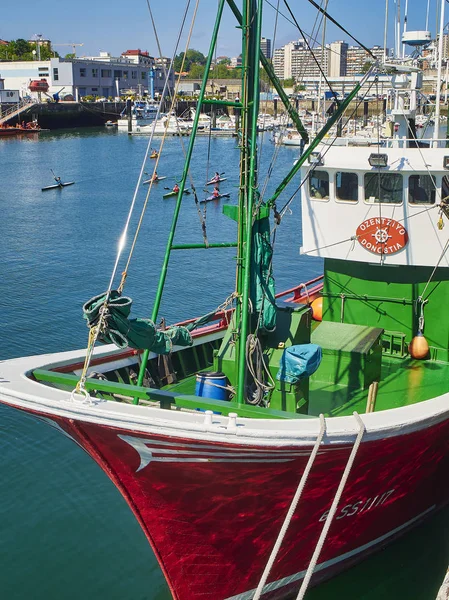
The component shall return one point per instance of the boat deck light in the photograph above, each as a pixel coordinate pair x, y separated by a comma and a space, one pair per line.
378, 160
316, 159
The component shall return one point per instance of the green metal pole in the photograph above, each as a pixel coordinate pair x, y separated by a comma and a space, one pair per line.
163, 275
242, 181
254, 27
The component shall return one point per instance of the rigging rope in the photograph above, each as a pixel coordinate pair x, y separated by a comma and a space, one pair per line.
291, 511
95, 331
326, 14
333, 509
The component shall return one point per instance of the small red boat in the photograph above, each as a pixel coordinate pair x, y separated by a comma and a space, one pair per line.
38, 85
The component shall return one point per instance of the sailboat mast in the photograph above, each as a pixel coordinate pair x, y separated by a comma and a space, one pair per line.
251, 34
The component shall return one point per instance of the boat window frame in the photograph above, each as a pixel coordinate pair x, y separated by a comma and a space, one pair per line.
376, 172
343, 200
435, 181
329, 182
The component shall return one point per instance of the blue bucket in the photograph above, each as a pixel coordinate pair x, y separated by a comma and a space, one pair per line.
211, 384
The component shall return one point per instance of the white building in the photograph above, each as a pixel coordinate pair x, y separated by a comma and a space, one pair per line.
101, 76
337, 59
296, 60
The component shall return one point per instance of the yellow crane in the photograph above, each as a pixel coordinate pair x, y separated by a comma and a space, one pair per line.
70, 44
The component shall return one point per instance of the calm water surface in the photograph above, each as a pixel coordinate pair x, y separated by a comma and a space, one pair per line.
65, 530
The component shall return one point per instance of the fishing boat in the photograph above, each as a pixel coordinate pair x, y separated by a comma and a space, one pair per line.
280, 438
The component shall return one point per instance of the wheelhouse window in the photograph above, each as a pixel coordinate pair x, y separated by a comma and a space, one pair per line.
421, 189
445, 188
347, 186
319, 185
384, 188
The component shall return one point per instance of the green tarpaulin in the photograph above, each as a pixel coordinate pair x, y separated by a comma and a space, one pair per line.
135, 333
262, 289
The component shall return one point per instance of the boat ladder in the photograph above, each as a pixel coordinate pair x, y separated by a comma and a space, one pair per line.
294, 503
15, 110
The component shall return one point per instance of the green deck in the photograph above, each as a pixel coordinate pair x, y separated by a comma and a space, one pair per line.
403, 382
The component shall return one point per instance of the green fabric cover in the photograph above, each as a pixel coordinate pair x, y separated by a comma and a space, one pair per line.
262, 290
136, 333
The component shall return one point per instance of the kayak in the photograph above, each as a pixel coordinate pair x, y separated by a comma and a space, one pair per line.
212, 181
57, 185
155, 155
212, 198
172, 193
156, 180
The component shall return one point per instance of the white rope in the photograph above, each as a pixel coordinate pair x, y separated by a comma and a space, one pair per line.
291, 510
332, 511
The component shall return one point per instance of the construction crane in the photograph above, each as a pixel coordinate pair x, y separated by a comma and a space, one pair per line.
73, 46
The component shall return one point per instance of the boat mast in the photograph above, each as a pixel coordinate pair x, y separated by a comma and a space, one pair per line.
251, 34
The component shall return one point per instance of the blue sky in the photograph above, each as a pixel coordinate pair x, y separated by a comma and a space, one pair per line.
113, 26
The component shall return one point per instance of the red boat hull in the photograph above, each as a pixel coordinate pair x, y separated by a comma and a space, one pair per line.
213, 511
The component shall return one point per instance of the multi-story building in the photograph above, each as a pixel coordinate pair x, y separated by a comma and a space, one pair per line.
357, 57
337, 59
102, 76
296, 60
265, 46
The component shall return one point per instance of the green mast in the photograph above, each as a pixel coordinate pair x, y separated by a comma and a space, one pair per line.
251, 33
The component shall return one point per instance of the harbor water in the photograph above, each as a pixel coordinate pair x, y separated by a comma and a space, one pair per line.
66, 532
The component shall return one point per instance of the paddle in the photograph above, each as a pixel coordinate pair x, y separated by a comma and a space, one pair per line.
57, 179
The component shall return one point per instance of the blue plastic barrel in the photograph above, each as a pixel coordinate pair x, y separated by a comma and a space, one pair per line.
211, 384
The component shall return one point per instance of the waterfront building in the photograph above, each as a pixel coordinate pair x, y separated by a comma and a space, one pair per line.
101, 76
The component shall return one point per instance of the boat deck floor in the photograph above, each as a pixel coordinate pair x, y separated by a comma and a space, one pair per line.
403, 382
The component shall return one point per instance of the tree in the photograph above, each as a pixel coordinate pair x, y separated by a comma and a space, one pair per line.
366, 66
221, 71
287, 83
20, 47
196, 71
191, 57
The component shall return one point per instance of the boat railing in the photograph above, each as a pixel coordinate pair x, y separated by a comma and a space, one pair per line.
16, 110
386, 142
304, 292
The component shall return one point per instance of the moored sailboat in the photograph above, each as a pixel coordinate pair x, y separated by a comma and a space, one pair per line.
266, 448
